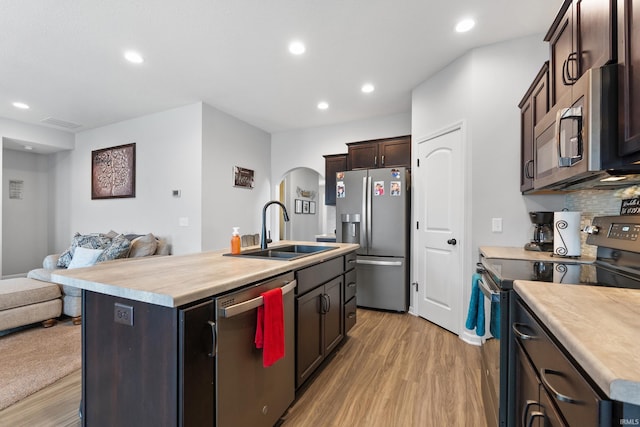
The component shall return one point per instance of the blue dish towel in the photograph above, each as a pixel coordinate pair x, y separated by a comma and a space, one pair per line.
475, 315
494, 321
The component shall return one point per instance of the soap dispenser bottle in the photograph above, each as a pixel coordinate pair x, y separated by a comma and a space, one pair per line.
235, 241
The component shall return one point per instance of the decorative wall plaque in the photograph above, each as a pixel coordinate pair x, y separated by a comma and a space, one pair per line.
113, 172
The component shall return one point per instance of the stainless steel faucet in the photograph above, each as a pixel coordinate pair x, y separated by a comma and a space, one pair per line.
263, 236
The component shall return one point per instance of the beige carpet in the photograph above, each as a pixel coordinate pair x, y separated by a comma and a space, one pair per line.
34, 358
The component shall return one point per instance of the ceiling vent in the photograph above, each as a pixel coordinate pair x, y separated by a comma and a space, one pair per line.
60, 123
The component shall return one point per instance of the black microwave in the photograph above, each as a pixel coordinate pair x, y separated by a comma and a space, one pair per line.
575, 143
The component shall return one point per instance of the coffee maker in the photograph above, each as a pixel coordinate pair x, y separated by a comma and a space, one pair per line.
542, 232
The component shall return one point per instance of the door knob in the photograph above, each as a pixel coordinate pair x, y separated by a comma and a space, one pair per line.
452, 242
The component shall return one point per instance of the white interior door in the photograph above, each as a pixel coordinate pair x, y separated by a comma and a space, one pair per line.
439, 198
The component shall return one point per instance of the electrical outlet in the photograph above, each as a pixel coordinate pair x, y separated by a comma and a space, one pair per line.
183, 221
496, 225
123, 314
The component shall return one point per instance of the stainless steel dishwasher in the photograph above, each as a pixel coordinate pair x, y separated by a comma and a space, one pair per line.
249, 394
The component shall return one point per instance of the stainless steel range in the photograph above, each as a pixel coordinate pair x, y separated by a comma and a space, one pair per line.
617, 265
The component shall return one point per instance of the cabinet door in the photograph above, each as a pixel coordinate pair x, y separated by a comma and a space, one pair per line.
333, 309
527, 399
628, 86
332, 164
532, 108
363, 156
395, 153
593, 33
309, 346
197, 385
563, 55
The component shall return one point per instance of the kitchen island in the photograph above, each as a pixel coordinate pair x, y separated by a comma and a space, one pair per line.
153, 341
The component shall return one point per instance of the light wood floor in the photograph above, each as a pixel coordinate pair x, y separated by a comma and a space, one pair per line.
393, 370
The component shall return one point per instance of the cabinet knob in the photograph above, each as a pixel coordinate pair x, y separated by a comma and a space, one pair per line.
452, 242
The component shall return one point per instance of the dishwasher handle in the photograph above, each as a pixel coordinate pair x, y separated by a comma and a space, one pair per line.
251, 304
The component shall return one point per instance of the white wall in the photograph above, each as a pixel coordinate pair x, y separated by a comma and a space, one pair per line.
228, 142
483, 88
24, 220
302, 226
168, 157
305, 148
42, 139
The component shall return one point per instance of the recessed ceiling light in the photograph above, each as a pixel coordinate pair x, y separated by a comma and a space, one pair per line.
28, 147
133, 57
323, 105
465, 25
21, 105
297, 48
368, 88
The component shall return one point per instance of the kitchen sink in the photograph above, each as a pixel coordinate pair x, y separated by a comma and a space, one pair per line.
286, 252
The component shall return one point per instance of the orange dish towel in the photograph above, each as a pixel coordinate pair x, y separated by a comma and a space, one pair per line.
270, 327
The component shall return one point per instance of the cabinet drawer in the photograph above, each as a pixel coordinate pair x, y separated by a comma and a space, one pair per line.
349, 314
310, 277
578, 403
350, 286
349, 261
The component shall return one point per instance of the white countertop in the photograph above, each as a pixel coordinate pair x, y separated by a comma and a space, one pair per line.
599, 326
176, 280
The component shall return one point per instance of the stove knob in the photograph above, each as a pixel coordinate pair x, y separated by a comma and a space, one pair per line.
591, 229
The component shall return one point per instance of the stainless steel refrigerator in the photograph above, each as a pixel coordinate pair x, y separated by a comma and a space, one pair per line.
372, 209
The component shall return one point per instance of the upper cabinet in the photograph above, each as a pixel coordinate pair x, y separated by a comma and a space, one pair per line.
629, 76
581, 37
333, 163
534, 105
380, 153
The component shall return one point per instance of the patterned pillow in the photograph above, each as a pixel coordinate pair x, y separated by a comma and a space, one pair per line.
118, 248
89, 241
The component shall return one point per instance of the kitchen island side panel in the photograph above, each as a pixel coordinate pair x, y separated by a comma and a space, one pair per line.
129, 372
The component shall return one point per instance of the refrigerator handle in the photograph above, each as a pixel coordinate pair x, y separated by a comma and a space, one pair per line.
369, 202
363, 224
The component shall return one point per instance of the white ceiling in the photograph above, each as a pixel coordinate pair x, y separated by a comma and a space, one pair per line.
64, 57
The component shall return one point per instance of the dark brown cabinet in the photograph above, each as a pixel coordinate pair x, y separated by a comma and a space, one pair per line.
581, 37
319, 315
629, 76
333, 163
534, 105
380, 153
350, 291
323, 314
549, 387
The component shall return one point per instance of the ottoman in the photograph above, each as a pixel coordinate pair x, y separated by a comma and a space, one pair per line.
24, 301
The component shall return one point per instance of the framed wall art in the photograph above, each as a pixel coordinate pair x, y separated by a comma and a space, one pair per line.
312, 207
113, 172
298, 206
242, 177
305, 206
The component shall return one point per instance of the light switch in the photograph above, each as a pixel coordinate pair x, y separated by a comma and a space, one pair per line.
183, 221
496, 225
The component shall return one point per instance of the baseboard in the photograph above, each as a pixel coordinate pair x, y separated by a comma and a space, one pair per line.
14, 276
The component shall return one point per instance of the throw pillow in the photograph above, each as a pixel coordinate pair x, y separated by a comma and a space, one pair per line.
84, 257
91, 241
118, 248
143, 246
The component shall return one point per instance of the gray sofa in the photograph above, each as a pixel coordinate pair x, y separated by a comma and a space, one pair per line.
112, 245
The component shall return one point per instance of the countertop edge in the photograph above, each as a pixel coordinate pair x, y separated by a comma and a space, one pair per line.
519, 253
616, 388
259, 270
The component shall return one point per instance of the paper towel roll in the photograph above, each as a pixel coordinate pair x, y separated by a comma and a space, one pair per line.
566, 233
